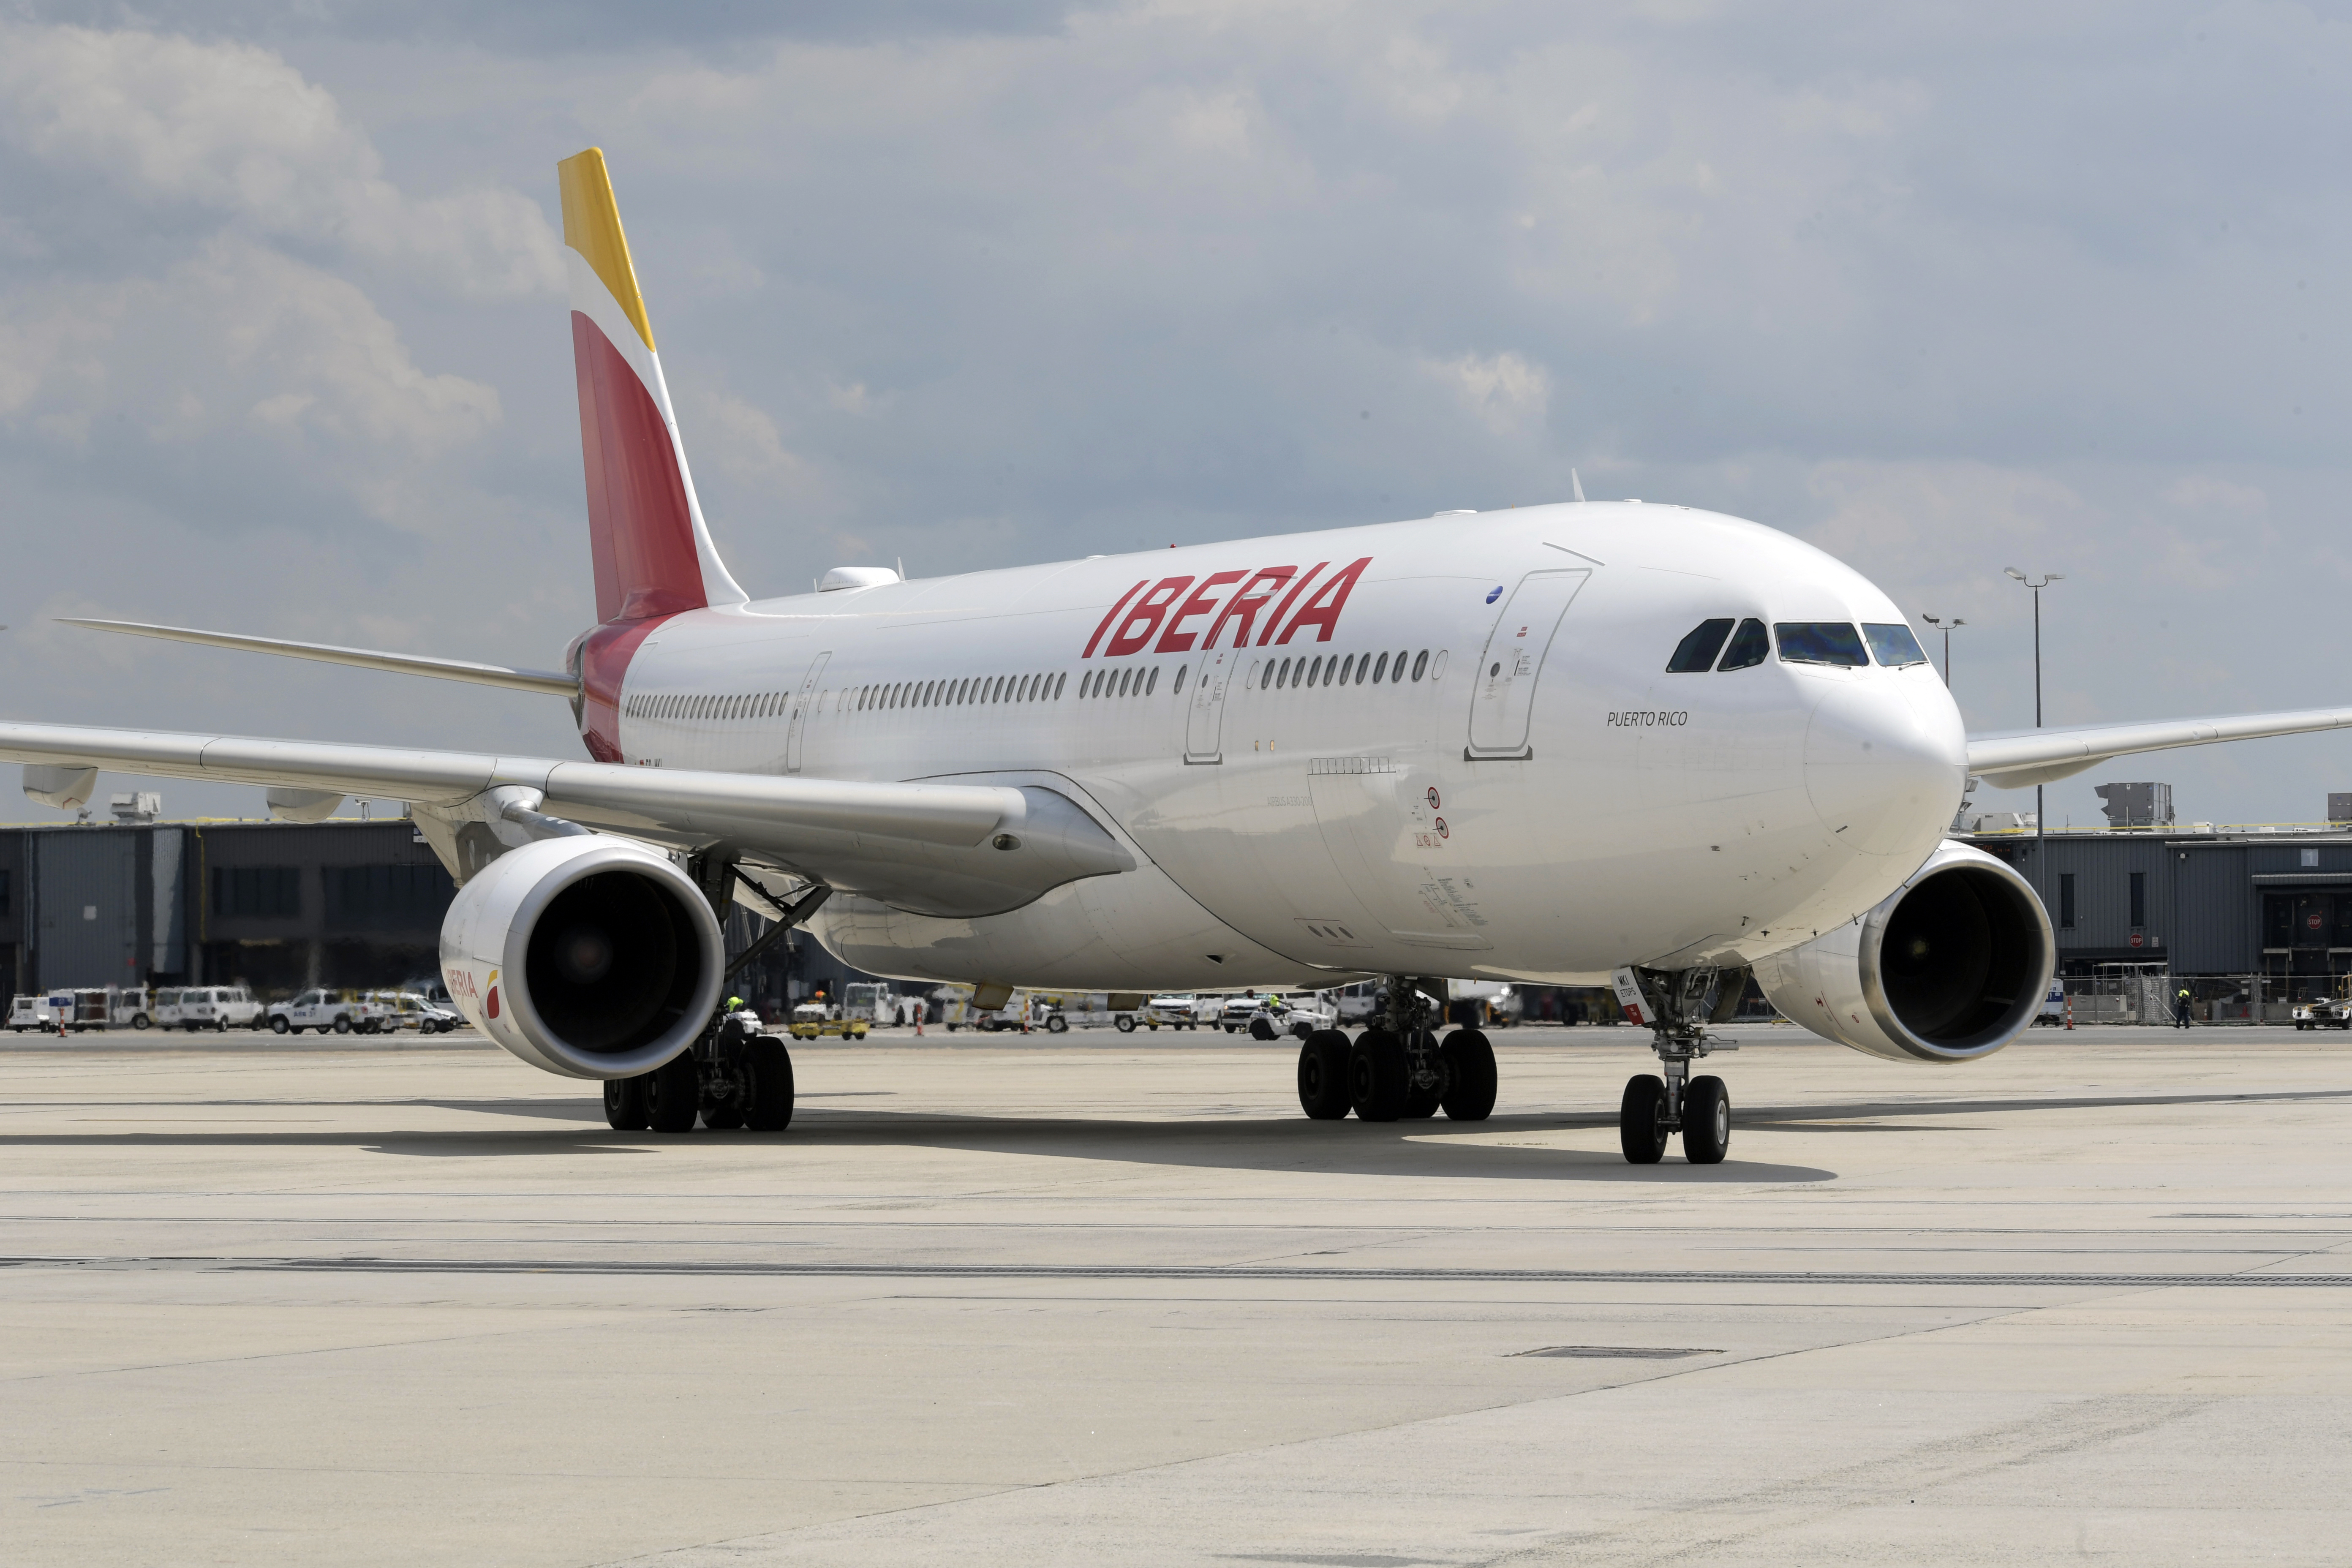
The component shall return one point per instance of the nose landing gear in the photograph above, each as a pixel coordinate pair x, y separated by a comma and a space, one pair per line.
1678, 1005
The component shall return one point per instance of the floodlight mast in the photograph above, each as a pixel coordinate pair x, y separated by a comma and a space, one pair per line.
2041, 825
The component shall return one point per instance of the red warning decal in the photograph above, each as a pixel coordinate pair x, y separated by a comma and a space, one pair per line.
491, 1006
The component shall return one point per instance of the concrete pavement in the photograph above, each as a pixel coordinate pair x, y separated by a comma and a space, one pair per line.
1098, 1297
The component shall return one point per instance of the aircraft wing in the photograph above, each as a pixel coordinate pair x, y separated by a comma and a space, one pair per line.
959, 849
552, 682
2020, 759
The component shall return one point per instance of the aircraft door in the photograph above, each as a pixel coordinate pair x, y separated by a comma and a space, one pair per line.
801, 702
1503, 698
1205, 719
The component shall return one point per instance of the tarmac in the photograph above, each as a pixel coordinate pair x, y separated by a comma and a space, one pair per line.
1104, 1299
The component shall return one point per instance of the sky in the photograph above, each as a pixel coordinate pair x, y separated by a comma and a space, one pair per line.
284, 347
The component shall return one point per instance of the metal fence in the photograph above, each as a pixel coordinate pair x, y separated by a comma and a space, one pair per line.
2147, 997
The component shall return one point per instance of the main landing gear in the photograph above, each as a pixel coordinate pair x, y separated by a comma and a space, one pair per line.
1397, 1069
1678, 1005
731, 1077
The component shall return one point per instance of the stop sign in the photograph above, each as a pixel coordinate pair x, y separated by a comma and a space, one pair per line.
2136, 939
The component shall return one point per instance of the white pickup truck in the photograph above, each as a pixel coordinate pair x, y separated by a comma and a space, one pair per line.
325, 1010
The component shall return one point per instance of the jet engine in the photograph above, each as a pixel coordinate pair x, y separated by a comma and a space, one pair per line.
1950, 967
587, 956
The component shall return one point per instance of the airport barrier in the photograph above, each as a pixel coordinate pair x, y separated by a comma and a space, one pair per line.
2147, 996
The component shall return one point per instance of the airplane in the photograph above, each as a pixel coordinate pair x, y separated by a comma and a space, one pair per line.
1624, 743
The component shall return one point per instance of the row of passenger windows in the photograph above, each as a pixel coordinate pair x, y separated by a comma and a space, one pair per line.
1800, 642
968, 690
1354, 669
706, 705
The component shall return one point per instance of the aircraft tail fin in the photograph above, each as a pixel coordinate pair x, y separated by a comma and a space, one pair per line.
653, 551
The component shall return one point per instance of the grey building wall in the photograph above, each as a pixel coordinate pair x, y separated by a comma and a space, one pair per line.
2204, 898
14, 887
101, 904
86, 914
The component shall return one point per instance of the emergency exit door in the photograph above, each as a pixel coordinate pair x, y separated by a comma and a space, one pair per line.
1205, 719
801, 702
1504, 692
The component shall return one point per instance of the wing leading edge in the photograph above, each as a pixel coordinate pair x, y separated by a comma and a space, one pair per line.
2020, 759
948, 849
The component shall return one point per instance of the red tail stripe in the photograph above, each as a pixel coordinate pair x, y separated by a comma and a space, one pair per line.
639, 528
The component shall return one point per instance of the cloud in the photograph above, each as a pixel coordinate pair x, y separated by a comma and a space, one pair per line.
234, 132
1939, 291
1505, 391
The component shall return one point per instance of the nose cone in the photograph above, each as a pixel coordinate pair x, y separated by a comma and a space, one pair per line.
1886, 760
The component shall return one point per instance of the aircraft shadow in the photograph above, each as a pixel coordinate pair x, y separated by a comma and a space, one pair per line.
1433, 1148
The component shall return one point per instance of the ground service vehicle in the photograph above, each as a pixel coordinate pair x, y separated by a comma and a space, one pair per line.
216, 1007
321, 1009
1179, 1012
813, 1019
2325, 1012
1531, 746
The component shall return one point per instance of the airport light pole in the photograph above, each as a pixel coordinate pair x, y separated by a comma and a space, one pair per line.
1947, 627
2040, 818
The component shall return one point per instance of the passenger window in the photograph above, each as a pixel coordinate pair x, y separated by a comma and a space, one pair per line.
1153, 685
1380, 670
1750, 646
1893, 645
1178, 689
1695, 655
1820, 642
1420, 664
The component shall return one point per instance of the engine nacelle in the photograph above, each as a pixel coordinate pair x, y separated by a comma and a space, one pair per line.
590, 957
1950, 967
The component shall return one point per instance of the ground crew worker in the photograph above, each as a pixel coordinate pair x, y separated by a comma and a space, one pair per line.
2180, 1009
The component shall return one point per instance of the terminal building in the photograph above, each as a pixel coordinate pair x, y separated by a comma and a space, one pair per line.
282, 906
2198, 901
276, 906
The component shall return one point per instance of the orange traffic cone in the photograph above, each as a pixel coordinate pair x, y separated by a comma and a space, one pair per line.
2070, 1012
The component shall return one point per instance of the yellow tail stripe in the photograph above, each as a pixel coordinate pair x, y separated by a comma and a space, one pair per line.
592, 226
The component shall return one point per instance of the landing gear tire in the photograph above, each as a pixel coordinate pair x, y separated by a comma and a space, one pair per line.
1640, 1124
770, 1107
624, 1104
1377, 1076
1323, 1076
673, 1094
1470, 1076
1706, 1121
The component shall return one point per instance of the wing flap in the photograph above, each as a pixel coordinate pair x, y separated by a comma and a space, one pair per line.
2020, 759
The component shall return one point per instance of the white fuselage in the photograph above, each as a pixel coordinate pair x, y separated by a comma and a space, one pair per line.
1536, 799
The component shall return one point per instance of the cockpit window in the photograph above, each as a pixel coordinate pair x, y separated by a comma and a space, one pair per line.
1750, 646
1696, 653
1892, 646
1818, 642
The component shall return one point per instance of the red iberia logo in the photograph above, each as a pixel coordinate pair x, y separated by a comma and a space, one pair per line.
1182, 612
